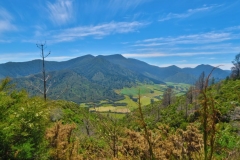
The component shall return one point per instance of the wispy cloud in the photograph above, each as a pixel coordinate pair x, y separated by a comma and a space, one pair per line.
210, 45
202, 38
217, 47
176, 54
124, 4
97, 31
19, 57
5, 41
179, 54
111, 9
233, 28
60, 58
188, 13
60, 12
5, 21
225, 66
181, 61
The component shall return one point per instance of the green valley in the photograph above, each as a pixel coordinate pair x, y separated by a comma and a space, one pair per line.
149, 93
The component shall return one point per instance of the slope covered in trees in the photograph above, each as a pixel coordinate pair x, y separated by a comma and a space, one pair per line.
21, 69
166, 74
91, 79
86, 79
172, 128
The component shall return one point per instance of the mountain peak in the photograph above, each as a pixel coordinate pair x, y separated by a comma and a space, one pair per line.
115, 56
174, 66
204, 65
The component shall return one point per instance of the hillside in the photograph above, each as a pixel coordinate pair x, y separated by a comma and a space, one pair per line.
98, 77
31, 127
217, 74
84, 79
21, 69
144, 70
167, 74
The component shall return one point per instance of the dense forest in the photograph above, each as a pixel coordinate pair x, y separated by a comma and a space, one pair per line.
202, 124
94, 78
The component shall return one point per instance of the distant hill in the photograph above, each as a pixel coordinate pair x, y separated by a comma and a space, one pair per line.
83, 79
167, 74
21, 69
217, 73
89, 78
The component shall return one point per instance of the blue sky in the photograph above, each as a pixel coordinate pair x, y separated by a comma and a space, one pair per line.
185, 33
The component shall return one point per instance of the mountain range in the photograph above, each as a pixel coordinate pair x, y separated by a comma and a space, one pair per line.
89, 78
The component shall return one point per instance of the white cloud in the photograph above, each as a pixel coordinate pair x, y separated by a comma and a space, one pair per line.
97, 31
111, 7
181, 61
124, 4
5, 41
210, 37
145, 55
29, 56
19, 57
217, 47
212, 58
233, 28
60, 12
60, 58
6, 26
210, 43
4, 14
180, 54
224, 66
188, 13
5, 21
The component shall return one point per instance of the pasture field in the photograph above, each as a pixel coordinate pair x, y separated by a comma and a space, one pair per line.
154, 90
148, 92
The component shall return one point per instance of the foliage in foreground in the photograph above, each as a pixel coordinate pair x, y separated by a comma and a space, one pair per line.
22, 125
31, 128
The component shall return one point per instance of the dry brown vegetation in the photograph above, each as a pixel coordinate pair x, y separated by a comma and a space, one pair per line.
165, 144
63, 146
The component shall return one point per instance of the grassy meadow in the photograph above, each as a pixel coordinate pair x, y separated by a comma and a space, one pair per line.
148, 92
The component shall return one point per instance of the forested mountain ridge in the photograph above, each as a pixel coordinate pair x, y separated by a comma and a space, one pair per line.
21, 69
171, 73
84, 79
168, 74
89, 78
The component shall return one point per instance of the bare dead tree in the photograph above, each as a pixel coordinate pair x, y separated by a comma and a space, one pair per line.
200, 82
236, 67
144, 126
208, 118
168, 97
42, 47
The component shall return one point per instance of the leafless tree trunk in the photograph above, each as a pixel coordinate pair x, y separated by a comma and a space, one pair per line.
168, 97
236, 67
200, 82
146, 131
189, 99
43, 56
